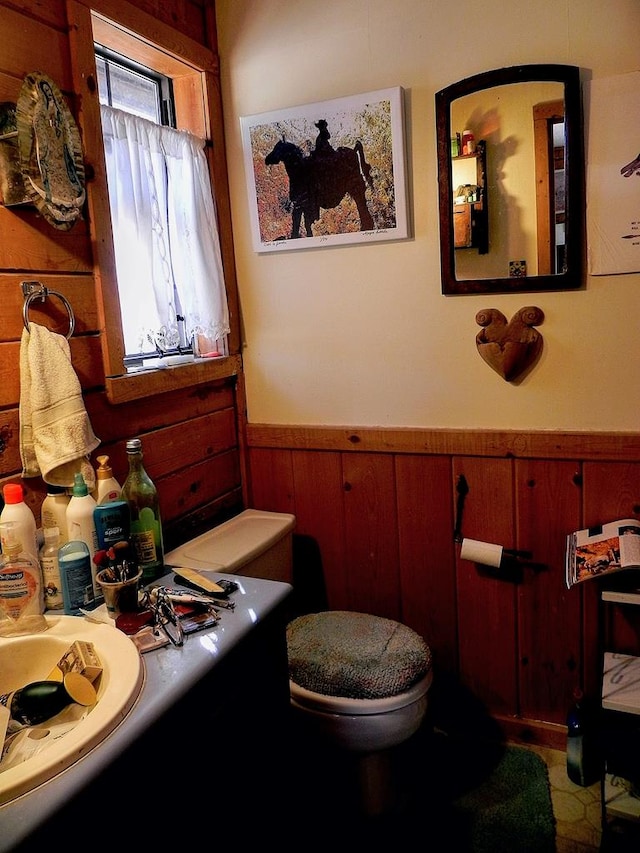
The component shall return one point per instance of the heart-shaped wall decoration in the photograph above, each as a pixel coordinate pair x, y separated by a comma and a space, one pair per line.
510, 348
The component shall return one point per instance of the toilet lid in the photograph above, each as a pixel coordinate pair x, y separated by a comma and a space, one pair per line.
355, 655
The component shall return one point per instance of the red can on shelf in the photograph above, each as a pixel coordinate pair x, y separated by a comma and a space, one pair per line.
468, 142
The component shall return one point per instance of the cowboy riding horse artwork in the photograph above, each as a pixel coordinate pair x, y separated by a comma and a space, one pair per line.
327, 173
322, 178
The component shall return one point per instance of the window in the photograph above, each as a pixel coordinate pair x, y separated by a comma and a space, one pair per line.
129, 86
166, 243
193, 69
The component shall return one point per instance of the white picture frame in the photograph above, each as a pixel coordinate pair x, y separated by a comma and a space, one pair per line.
347, 150
613, 174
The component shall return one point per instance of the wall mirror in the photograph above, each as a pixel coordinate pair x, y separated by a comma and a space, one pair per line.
511, 198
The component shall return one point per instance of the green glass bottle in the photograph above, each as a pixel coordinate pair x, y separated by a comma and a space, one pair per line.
144, 507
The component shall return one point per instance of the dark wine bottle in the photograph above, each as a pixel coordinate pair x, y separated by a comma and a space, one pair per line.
582, 759
40, 700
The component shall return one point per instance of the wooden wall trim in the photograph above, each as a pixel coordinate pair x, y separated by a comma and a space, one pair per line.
594, 446
130, 18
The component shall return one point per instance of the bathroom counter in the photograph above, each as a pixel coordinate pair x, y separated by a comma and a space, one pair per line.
205, 725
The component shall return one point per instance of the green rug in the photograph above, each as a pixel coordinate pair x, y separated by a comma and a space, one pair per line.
509, 810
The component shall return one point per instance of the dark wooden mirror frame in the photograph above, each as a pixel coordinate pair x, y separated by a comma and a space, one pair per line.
571, 276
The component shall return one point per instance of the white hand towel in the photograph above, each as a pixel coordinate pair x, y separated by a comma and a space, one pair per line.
56, 436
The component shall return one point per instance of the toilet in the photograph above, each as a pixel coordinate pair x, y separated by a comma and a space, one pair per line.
363, 679
358, 681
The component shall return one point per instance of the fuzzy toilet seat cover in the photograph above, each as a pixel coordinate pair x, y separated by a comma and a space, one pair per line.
355, 655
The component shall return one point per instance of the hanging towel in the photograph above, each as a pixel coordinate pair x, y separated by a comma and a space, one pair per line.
56, 437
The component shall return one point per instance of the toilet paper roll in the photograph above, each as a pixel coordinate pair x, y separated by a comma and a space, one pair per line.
484, 553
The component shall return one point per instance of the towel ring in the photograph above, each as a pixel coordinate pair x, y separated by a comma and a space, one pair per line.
35, 290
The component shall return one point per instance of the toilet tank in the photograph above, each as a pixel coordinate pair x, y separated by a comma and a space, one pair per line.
254, 543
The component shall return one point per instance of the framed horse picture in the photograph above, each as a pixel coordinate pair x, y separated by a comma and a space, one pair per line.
327, 174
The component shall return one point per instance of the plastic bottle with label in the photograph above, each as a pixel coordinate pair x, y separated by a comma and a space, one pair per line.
54, 510
113, 523
144, 507
21, 596
582, 757
53, 598
80, 522
16, 510
77, 578
108, 489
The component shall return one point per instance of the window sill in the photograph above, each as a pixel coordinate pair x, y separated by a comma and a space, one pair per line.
148, 383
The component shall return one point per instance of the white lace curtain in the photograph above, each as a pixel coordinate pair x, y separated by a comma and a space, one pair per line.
167, 248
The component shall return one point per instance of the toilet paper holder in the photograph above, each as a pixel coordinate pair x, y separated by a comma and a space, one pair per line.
462, 489
495, 560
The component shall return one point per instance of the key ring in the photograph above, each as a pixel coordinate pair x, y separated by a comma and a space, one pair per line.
164, 615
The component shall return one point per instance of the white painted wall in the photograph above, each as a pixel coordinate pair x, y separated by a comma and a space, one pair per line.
362, 335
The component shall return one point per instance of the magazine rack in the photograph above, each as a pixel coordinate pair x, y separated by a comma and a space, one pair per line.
620, 723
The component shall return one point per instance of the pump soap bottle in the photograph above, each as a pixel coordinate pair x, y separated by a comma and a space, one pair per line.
144, 506
108, 489
21, 595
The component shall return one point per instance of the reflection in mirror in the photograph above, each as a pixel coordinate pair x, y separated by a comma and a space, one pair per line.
511, 206
549, 151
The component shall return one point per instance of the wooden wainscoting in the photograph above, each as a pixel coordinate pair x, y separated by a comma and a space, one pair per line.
380, 503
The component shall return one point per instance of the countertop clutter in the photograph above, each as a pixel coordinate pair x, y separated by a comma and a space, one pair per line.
202, 735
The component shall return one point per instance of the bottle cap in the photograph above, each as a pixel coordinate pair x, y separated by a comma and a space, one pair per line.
80, 488
13, 493
55, 490
75, 553
79, 688
134, 445
51, 533
104, 471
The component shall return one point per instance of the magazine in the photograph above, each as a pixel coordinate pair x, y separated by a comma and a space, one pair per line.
602, 550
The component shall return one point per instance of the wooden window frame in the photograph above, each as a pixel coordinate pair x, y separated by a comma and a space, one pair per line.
194, 70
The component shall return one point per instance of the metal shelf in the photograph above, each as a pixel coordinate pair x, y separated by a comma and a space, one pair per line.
621, 683
619, 728
618, 800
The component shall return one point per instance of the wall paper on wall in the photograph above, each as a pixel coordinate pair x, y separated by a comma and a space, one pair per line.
327, 173
613, 174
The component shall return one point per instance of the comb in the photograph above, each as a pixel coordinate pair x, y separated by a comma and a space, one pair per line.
193, 576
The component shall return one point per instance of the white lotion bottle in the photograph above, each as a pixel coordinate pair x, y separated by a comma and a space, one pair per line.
54, 511
80, 524
16, 510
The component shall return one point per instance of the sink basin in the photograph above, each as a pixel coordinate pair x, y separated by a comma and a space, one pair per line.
32, 658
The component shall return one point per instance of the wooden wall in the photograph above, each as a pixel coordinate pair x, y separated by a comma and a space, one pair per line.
190, 437
381, 504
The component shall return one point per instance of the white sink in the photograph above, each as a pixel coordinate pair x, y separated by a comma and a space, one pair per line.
32, 658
